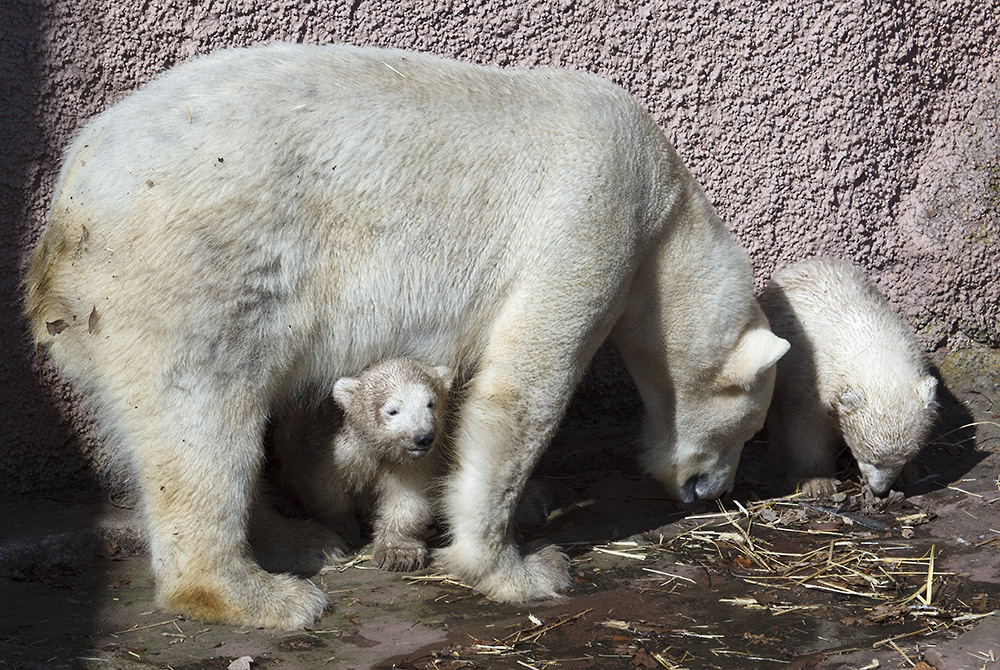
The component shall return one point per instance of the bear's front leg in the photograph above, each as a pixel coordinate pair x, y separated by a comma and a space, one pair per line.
496, 447
198, 464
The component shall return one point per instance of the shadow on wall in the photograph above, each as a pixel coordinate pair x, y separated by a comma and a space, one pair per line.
951, 450
37, 448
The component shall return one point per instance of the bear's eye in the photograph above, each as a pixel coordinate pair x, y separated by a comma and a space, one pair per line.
392, 412
430, 403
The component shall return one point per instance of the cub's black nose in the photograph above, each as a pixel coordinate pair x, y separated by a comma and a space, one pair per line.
424, 441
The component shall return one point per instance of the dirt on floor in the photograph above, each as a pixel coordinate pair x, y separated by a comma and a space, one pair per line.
756, 581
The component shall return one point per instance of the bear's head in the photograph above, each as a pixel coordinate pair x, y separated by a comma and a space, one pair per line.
396, 407
885, 425
693, 442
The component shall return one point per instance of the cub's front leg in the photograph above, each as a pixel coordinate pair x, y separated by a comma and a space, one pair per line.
403, 515
806, 449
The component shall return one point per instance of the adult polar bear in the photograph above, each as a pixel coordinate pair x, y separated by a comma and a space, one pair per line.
266, 220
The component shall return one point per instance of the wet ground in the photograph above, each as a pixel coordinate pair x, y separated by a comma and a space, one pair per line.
757, 582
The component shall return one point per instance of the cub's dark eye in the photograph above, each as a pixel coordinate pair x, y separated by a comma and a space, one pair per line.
430, 403
392, 412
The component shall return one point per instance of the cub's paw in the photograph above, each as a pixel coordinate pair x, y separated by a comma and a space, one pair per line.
817, 487
402, 556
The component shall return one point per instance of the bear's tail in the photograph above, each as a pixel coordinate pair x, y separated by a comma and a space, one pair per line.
43, 308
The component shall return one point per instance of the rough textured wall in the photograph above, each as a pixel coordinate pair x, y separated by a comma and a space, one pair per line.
866, 130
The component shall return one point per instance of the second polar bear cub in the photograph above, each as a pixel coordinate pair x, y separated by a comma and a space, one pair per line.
375, 451
854, 372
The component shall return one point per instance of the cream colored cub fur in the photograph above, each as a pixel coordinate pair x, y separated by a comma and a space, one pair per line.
855, 373
376, 451
267, 220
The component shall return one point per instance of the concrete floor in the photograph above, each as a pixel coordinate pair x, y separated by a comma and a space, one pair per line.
655, 586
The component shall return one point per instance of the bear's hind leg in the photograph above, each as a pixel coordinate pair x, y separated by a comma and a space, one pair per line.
198, 459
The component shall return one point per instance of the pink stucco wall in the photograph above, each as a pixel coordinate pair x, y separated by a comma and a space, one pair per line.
867, 130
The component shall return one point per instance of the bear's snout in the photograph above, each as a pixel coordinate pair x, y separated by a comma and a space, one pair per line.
423, 442
703, 486
689, 490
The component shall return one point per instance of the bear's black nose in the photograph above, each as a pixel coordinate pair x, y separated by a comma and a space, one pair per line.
424, 441
689, 491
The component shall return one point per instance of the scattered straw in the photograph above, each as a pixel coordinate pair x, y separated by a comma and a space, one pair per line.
152, 625
930, 578
670, 574
522, 643
891, 641
968, 493
395, 70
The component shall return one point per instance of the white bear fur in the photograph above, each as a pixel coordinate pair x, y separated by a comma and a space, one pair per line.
378, 451
264, 221
855, 374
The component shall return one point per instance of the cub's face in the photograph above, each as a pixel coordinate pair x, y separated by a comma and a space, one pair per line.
397, 406
886, 427
407, 421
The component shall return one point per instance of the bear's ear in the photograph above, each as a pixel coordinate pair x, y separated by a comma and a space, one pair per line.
850, 400
755, 353
446, 374
344, 390
926, 390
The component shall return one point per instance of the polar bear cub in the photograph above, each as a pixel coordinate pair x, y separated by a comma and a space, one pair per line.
854, 372
375, 450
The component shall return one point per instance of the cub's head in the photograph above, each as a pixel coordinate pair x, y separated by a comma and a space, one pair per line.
885, 425
397, 406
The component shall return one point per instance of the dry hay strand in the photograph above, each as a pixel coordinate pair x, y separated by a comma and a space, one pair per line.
438, 578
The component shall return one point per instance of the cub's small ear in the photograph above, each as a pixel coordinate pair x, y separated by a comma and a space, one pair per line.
927, 390
756, 352
344, 390
850, 400
446, 374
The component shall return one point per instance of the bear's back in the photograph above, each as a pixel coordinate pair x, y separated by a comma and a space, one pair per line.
834, 316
